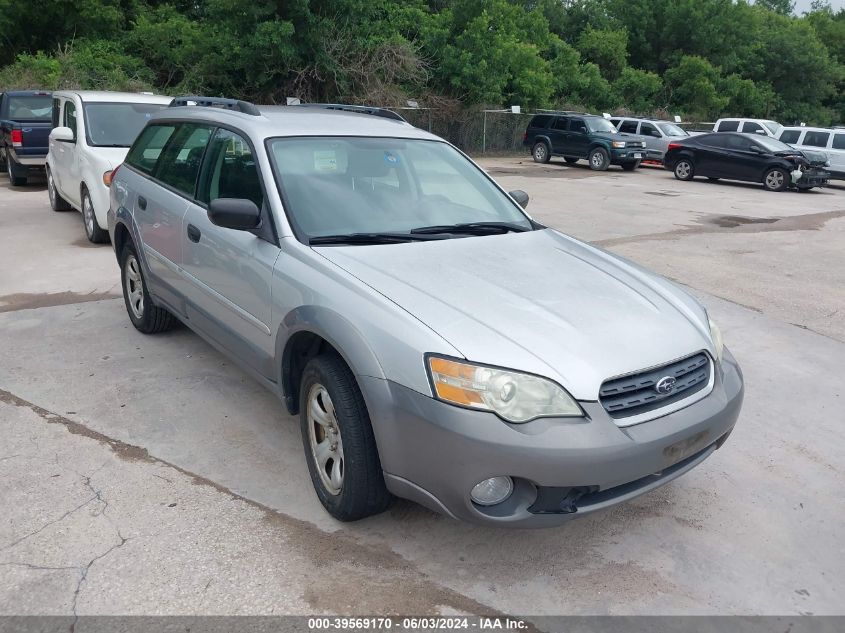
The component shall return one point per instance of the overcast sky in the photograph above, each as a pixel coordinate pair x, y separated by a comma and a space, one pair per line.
804, 5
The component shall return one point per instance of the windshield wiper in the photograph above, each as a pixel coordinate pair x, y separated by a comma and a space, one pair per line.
367, 238
473, 228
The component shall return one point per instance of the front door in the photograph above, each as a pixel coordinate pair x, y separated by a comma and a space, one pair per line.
230, 271
578, 139
557, 135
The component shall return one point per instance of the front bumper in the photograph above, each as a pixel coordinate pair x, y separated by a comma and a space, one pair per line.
813, 177
628, 155
434, 453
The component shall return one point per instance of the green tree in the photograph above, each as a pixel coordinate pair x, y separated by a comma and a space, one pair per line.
608, 49
692, 86
639, 90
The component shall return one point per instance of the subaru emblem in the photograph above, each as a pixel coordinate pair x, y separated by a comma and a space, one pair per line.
665, 385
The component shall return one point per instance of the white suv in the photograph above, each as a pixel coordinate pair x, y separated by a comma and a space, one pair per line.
749, 126
831, 142
92, 131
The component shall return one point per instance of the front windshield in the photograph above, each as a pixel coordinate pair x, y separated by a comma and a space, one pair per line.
601, 125
670, 129
348, 185
774, 126
772, 144
116, 124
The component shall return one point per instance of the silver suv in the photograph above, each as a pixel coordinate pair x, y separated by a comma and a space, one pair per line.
658, 134
436, 342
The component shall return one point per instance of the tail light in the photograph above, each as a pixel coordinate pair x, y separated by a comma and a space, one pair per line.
108, 177
675, 146
17, 138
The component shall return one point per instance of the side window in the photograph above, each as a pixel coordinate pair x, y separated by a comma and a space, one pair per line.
647, 129
541, 120
147, 148
740, 143
179, 163
816, 139
750, 127
577, 125
57, 106
628, 127
616, 122
560, 124
838, 141
716, 140
69, 117
790, 136
728, 126
231, 170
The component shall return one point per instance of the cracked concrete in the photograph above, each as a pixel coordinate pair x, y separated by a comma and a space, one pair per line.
147, 475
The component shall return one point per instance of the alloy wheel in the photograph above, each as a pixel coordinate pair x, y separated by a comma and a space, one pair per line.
597, 160
134, 286
540, 153
324, 438
683, 169
88, 215
774, 179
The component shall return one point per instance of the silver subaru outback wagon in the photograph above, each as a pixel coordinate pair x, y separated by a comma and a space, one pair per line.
436, 342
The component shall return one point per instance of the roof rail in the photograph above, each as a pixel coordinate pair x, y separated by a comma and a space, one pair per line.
216, 102
373, 110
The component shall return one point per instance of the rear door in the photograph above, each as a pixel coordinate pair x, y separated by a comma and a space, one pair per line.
836, 153
169, 154
711, 155
230, 271
654, 139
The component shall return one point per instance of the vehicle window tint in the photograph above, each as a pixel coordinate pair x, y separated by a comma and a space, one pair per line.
578, 125
790, 136
728, 126
180, 161
816, 139
615, 122
560, 124
838, 141
714, 140
57, 106
647, 129
737, 142
541, 120
750, 127
146, 150
30, 108
231, 171
628, 126
69, 117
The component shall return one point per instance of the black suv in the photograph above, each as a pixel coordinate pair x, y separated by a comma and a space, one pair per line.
575, 135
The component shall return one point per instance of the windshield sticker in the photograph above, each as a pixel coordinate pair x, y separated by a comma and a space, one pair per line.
325, 160
391, 158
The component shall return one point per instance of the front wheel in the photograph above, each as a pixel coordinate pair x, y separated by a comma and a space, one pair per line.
541, 153
684, 170
340, 447
599, 159
144, 314
776, 179
95, 234
12, 171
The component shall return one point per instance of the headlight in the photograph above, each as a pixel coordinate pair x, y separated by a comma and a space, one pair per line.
512, 395
618, 144
716, 335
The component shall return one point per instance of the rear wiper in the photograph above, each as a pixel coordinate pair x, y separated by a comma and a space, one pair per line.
367, 238
473, 228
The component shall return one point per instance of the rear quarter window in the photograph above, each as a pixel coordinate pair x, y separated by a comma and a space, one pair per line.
816, 139
838, 141
540, 120
145, 152
790, 136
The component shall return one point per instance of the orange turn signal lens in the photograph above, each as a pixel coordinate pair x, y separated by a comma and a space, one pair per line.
453, 381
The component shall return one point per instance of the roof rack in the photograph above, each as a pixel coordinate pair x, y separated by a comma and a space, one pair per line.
372, 110
216, 102
541, 111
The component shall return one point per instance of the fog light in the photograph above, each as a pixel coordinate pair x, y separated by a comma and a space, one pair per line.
492, 491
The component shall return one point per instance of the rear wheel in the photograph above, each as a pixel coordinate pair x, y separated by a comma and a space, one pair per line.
776, 179
684, 170
145, 316
57, 203
541, 152
340, 447
599, 159
95, 234
570, 160
13, 171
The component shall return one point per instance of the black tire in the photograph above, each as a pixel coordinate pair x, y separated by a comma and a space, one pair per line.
804, 189
361, 491
57, 203
541, 152
684, 169
13, 171
570, 160
150, 319
599, 159
776, 179
630, 166
93, 232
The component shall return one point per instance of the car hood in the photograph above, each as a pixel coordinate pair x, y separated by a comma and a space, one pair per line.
538, 301
622, 136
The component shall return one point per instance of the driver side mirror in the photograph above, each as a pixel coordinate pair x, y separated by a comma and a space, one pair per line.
234, 213
62, 135
520, 197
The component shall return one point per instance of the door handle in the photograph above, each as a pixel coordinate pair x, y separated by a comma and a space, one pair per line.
194, 233
142, 202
